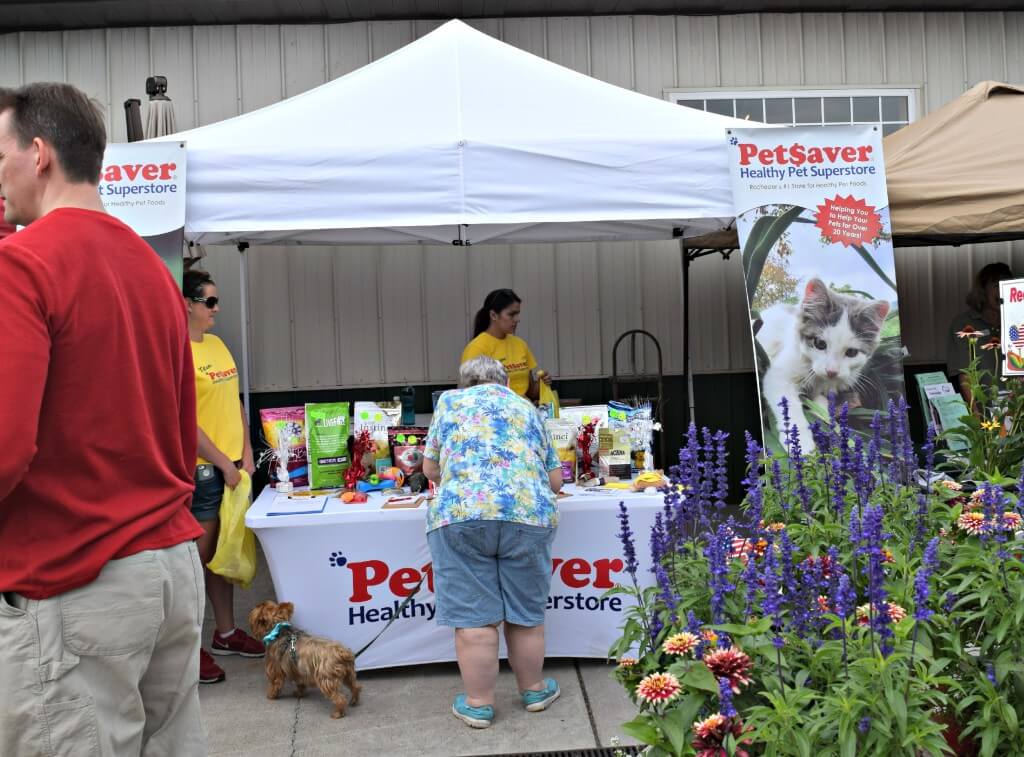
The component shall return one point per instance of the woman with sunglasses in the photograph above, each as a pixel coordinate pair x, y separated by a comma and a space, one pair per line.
494, 335
224, 448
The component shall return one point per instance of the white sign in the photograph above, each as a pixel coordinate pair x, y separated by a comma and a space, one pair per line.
1011, 293
143, 185
348, 570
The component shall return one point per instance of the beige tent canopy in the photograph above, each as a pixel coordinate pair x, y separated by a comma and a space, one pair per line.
955, 176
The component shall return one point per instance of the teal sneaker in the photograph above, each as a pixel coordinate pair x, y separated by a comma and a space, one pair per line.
474, 717
537, 701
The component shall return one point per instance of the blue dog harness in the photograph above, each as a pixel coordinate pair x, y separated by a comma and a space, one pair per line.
275, 634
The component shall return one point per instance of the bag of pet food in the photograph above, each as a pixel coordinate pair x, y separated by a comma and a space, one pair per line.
327, 443
377, 418
615, 452
284, 429
563, 436
407, 445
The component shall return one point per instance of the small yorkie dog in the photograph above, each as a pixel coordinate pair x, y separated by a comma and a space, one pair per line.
307, 660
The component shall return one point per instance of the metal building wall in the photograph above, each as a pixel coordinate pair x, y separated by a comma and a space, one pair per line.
358, 316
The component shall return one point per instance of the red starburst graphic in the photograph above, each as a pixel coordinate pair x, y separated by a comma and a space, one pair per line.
847, 221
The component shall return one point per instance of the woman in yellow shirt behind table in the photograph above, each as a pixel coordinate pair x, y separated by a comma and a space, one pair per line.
494, 335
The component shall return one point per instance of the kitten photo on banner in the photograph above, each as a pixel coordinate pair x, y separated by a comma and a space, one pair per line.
813, 221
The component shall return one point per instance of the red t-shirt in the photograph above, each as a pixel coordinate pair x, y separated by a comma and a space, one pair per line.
97, 403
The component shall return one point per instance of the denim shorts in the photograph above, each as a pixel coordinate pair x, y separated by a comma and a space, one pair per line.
208, 494
489, 571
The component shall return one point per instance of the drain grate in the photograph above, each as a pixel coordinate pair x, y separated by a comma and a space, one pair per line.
608, 751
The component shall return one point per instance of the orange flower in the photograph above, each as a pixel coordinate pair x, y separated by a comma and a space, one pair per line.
710, 637
953, 486
658, 687
887, 556
681, 643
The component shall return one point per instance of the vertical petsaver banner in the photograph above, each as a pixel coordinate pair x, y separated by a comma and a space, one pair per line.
813, 220
143, 185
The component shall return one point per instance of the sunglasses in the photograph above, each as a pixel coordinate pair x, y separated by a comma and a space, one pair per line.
210, 302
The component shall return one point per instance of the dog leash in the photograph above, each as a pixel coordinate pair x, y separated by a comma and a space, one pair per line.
396, 616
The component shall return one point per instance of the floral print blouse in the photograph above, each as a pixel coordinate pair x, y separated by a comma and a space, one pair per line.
494, 452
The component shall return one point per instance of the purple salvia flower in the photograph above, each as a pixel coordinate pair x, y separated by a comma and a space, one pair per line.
784, 413
893, 424
721, 469
925, 489
922, 587
863, 479
822, 438
749, 578
752, 483
786, 560
864, 724
875, 448
855, 528
949, 602
838, 486
776, 470
717, 552
693, 625
872, 538
993, 502
771, 604
906, 444
628, 544
990, 674
726, 706
845, 597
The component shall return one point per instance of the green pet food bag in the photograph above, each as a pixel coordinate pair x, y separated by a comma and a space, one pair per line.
327, 443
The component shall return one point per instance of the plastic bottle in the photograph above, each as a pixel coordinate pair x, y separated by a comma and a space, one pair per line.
408, 398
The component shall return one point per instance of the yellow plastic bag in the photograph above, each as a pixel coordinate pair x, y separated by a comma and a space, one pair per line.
235, 558
548, 400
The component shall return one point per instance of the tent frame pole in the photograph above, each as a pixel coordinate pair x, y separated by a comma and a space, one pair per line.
688, 255
243, 288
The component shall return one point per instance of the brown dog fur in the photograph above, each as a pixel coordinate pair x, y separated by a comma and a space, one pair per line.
318, 661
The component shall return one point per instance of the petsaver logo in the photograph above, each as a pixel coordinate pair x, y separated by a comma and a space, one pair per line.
788, 161
370, 577
121, 180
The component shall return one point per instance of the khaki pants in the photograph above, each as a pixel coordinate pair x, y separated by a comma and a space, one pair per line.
111, 668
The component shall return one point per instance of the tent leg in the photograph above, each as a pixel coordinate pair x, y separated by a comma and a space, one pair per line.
687, 375
243, 284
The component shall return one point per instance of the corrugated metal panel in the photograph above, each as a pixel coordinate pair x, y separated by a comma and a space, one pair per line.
1013, 27
270, 307
259, 60
654, 53
740, 44
42, 56
312, 294
985, 47
823, 48
579, 336
448, 328
358, 306
533, 279
403, 331
781, 49
864, 48
577, 298
171, 52
127, 69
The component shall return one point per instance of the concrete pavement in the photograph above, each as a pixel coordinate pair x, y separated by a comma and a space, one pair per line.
403, 711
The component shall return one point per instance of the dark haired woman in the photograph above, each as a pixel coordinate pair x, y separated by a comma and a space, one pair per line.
224, 449
982, 316
494, 335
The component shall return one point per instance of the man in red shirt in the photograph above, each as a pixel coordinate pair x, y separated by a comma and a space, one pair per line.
100, 580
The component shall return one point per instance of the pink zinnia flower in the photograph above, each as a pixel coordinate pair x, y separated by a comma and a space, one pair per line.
730, 663
627, 662
973, 523
681, 643
658, 687
709, 726
1012, 521
896, 614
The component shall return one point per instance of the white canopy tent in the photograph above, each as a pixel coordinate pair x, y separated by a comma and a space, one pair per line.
458, 138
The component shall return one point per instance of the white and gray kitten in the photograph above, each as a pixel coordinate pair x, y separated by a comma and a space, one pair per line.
817, 347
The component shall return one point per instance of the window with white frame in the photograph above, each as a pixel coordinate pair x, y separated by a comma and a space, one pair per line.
890, 108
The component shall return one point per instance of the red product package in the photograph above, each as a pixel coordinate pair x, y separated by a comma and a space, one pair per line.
407, 445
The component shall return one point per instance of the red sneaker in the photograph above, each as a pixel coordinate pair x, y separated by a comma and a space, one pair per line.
209, 670
238, 642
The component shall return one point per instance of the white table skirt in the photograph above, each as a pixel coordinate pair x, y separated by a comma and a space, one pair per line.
348, 569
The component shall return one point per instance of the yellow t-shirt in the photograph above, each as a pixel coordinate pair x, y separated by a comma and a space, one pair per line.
217, 404
512, 352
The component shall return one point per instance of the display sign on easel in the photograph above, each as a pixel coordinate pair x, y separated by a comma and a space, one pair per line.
143, 185
813, 221
1011, 294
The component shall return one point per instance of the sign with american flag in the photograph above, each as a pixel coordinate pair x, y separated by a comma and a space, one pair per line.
1011, 294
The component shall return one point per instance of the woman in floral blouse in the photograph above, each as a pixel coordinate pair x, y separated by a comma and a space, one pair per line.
490, 529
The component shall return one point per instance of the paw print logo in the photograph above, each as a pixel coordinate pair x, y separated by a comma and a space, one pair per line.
733, 141
337, 559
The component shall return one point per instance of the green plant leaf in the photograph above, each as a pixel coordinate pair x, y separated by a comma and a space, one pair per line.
763, 236
640, 728
700, 677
